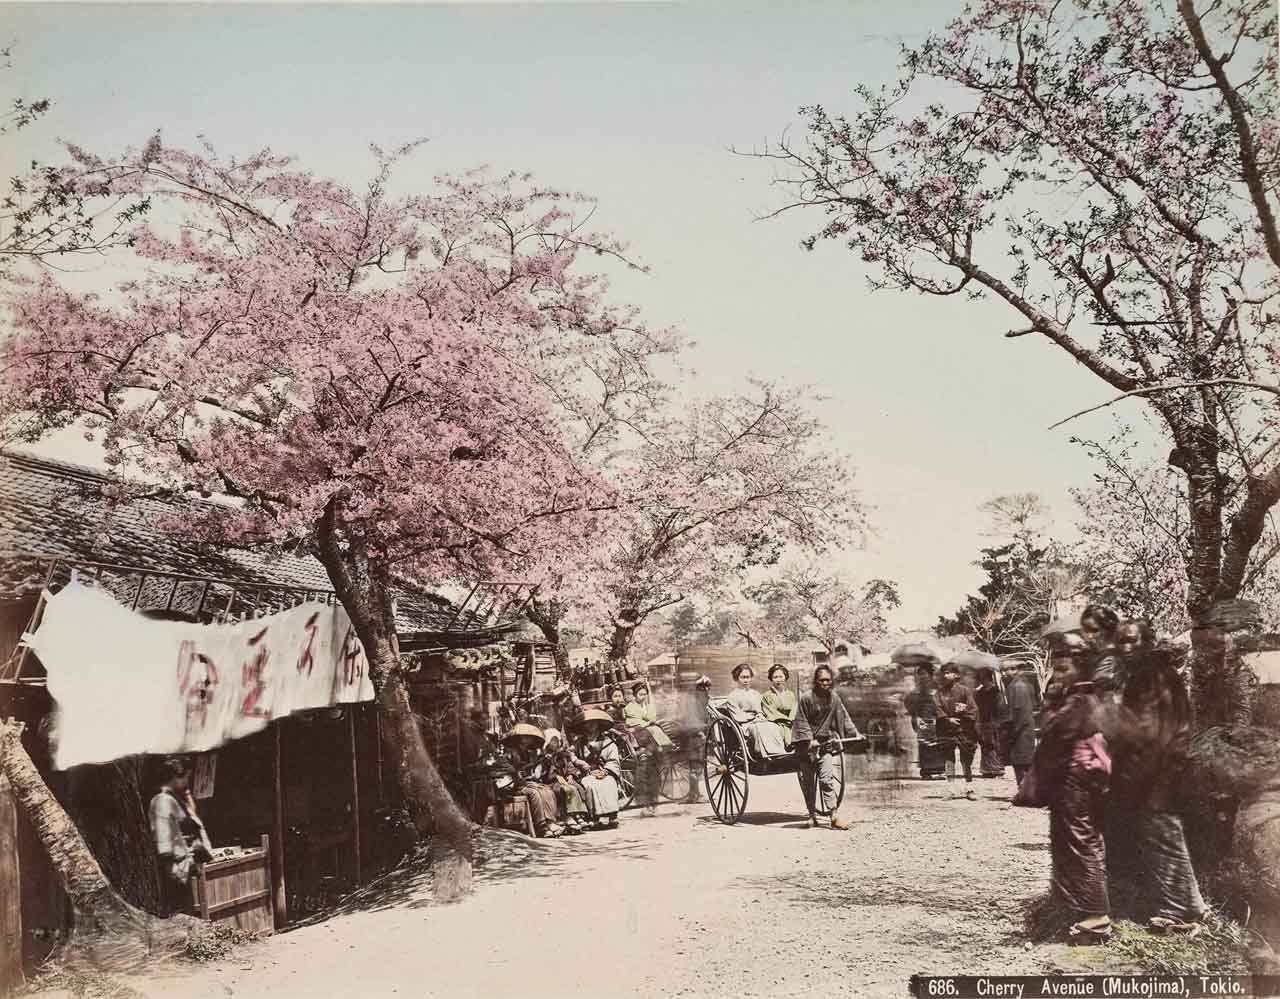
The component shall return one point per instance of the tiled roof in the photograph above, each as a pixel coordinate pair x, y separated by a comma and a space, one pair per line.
51, 508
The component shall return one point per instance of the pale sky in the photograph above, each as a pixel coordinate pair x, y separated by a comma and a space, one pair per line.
636, 104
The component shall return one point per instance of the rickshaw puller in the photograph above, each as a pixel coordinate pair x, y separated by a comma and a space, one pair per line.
821, 717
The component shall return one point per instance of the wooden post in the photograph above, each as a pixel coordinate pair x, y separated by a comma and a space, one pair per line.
355, 789
281, 905
377, 738
10, 895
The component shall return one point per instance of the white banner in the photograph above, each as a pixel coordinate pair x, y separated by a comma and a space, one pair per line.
125, 684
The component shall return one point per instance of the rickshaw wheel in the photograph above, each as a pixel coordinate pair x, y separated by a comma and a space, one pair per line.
627, 766
674, 779
837, 765
725, 770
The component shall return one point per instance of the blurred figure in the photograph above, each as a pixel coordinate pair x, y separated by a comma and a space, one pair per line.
924, 722
778, 703
991, 715
841, 661
1098, 626
1021, 703
1149, 735
957, 723
1070, 775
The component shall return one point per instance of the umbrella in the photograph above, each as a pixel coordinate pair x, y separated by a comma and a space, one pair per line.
913, 653
1061, 626
973, 659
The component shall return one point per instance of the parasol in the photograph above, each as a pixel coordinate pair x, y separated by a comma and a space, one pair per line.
914, 652
1061, 626
975, 660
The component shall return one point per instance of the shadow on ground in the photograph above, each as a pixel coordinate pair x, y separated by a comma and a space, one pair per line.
499, 856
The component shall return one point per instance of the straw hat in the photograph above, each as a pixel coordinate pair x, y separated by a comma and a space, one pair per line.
523, 730
594, 716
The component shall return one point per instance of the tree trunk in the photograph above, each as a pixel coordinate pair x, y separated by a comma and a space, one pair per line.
107, 933
547, 617
106, 805
620, 643
363, 584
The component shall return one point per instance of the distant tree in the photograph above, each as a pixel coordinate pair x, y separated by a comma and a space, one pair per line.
808, 603
1028, 577
726, 485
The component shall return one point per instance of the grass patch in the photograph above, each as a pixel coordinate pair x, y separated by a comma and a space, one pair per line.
1220, 949
81, 985
214, 943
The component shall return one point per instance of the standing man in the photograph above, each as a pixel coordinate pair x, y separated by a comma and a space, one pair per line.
820, 718
958, 722
1020, 724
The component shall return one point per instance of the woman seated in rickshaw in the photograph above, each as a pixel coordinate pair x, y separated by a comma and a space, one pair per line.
599, 766
746, 708
642, 720
778, 704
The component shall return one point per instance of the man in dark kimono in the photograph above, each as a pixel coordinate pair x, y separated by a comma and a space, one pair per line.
1020, 720
957, 722
821, 717
1149, 735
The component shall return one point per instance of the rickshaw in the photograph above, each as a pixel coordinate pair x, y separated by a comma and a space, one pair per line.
729, 765
675, 781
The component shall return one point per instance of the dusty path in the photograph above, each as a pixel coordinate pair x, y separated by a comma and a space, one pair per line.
680, 905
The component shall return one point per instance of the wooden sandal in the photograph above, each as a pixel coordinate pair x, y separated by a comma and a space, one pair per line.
1089, 935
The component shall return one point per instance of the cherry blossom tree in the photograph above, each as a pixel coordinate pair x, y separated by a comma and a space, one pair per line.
394, 382
48, 213
1133, 527
810, 603
727, 484
1107, 170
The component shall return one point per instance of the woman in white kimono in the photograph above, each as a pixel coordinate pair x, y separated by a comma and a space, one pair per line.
745, 708
599, 766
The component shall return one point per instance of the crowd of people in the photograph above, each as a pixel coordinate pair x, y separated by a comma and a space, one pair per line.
1113, 748
1103, 746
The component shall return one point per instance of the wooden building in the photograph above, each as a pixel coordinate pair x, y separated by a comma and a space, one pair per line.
314, 783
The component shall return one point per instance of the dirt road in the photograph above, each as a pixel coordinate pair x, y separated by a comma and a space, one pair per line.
680, 905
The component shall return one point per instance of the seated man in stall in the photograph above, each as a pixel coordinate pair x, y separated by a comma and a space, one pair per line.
523, 748
180, 837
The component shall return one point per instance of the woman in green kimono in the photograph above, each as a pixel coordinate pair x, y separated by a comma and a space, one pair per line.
640, 716
778, 704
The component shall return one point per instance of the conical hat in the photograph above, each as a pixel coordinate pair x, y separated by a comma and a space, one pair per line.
523, 730
595, 715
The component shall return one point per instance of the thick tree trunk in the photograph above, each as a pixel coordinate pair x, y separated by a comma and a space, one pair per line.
108, 808
1204, 561
107, 934
363, 585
